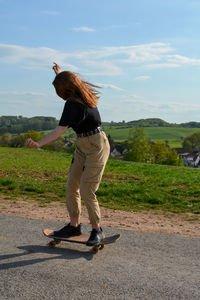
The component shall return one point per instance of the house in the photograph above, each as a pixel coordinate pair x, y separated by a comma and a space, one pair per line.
68, 143
191, 159
115, 153
118, 151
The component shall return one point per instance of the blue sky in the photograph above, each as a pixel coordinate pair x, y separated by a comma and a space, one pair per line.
144, 54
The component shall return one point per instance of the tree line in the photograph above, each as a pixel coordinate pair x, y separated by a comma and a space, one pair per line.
19, 124
150, 122
18, 141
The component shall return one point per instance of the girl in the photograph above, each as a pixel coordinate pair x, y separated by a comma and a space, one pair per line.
92, 151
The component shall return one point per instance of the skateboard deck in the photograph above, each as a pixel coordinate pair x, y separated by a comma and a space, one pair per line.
80, 239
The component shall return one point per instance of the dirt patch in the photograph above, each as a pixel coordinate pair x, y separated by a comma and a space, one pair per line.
143, 222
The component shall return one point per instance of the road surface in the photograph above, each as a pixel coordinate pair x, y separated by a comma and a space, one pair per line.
142, 266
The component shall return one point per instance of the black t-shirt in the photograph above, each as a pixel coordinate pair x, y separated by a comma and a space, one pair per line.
80, 117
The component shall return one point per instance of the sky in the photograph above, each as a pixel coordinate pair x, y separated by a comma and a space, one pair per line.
143, 54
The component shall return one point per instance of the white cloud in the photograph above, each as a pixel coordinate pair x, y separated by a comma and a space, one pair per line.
21, 93
103, 61
30, 103
110, 86
143, 77
132, 98
134, 108
114, 107
84, 28
23, 28
51, 12
174, 61
161, 66
33, 58
182, 60
144, 53
102, 68
158, 107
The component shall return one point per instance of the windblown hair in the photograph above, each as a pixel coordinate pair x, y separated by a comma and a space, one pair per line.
68, 86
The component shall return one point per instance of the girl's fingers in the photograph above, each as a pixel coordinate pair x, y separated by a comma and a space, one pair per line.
27, 142
31, 144
56, 67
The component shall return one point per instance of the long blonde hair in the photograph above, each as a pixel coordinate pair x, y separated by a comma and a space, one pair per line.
69, 85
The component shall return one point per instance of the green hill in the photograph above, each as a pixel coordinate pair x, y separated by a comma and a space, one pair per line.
174, 135
150, 122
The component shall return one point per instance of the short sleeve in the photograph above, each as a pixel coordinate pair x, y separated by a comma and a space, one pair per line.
73, 114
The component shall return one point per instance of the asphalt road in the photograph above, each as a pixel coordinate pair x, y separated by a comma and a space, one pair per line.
142, 266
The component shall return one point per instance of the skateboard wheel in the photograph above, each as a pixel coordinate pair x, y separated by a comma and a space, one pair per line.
95, 250
52, 244
101, 246
57, 241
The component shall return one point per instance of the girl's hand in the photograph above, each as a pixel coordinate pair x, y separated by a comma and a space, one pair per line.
31, 144
56, 68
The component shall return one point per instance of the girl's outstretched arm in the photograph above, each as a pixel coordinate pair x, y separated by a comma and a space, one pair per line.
53, 135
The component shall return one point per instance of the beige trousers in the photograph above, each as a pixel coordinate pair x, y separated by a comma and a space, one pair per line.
85, 175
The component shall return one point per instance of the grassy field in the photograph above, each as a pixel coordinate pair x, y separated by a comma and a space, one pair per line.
41, 175
174, 135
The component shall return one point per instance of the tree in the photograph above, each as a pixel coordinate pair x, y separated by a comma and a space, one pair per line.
17, 141
19, 124
159, 151
173, 159
192, 142
34, 135
137, 145
162, 154
58, 145
5, 139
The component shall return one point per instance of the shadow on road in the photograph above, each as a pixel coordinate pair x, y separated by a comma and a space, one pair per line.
61, 253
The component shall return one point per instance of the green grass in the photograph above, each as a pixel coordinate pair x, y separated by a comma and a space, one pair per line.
174, 135
41, 175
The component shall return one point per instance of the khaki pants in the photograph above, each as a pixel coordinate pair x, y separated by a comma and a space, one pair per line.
85, 175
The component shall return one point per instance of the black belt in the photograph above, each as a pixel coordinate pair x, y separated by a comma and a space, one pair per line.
84, 134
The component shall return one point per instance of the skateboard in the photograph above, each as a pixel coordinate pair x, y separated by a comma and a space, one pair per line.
80, 239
